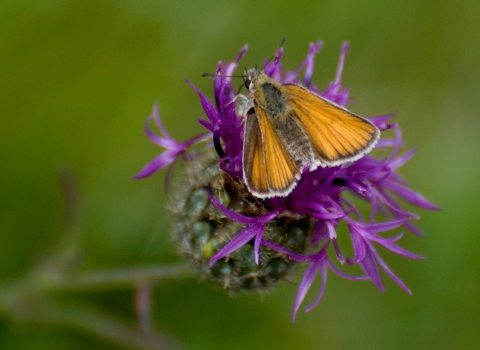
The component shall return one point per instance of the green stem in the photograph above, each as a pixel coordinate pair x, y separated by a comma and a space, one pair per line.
28, 299
41, 281
91, 321
125, 277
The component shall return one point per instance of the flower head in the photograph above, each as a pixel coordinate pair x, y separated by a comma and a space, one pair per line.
248, 243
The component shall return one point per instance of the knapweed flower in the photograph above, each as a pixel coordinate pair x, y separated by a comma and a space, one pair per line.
248, 243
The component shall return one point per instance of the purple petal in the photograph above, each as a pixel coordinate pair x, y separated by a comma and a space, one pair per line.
395, 164
256, 246
385, 143
393, 239
410, 195
358, 246
231, 68
168, 177
373, 200
381, 120
356, 188
217, 84
386, 226
241, 219
290, 78
370, 267
393, 205
391, 274
277, 73
320, 233
339, 254
400, 251
389, 243
344, 275
399, 142
162, 142
332, 234
198, 138
156, 164
323, 273
238, 241
156, 116
388, 126
338, 77
309, 62
342, 97
412, 228
304, 287
291, 255
209, 109
206, 124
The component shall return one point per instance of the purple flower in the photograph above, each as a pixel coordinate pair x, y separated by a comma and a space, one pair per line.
319, 194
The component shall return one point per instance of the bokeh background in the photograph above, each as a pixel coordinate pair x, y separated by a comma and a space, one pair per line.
78, 79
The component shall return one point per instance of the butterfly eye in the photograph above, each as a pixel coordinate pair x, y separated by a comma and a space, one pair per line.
247, 83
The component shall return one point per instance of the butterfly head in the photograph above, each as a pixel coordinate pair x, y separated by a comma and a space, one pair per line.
251, 77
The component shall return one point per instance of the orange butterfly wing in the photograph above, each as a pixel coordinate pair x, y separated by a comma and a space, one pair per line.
336, 135
282, 169
269, 169
254, 171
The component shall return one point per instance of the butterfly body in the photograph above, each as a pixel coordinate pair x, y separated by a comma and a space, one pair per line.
288, 127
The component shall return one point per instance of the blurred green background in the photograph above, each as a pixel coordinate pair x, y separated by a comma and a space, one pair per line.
79, 78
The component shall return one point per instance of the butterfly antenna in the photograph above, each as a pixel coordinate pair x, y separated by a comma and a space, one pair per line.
275, 53
210, 75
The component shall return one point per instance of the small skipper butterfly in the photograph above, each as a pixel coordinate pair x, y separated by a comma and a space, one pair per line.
288, 127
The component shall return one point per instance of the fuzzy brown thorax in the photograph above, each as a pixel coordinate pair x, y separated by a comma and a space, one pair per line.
266, 92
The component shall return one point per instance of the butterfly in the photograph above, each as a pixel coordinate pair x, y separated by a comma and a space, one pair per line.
288, 127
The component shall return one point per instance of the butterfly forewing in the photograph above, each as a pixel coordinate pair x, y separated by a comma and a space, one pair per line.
282, 169
336, 135
254, 171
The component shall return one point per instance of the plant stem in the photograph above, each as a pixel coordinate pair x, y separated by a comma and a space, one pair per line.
91, 321
126, 277
29, 299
